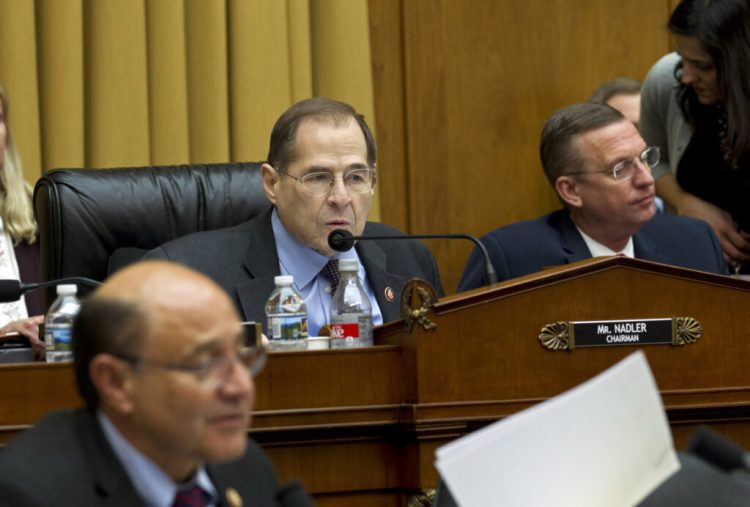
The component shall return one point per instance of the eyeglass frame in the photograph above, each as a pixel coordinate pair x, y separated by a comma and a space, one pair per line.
612, 172
301, 180
256, 357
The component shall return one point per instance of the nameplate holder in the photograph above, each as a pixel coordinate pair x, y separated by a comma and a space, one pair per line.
253, 333
675, 331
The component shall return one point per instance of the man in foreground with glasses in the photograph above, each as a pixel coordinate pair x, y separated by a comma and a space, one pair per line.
600, 167
161, 362
319, 176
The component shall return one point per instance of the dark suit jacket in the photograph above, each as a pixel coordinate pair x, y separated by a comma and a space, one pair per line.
530, 246
243, 260
698, 483
66, 460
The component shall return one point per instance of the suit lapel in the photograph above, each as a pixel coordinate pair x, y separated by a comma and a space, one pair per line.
228, 496
111, 482
572, 242
381, 281
261, 264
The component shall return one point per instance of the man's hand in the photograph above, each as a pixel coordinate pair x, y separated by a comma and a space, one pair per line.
30, 329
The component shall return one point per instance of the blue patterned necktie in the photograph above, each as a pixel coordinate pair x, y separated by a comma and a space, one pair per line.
331, 272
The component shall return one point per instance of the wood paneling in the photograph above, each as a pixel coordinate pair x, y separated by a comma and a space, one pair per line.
390, 129
470, 87
360, 426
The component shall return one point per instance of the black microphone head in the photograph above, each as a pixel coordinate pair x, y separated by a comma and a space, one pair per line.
10, 290
340, 240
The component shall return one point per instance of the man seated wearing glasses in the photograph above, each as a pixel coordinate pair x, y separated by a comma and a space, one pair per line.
160, 360
600, 167
319, 177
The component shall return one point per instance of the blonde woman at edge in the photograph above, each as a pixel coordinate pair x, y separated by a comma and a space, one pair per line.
19, 249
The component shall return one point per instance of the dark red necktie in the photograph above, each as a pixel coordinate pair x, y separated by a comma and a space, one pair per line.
193, 497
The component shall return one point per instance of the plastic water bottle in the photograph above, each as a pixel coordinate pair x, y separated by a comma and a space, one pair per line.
351, 312
58, 324
287, 316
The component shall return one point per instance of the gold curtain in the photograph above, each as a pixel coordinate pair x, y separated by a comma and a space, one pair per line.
108, 83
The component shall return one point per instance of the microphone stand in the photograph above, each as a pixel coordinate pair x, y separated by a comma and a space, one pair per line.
26, 287
13, 290
337, 240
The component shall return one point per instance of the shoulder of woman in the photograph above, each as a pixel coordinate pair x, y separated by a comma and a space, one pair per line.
663, 69
660, 83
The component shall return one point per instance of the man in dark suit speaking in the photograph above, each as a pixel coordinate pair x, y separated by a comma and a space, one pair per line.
319, 176
160, 360
600, 167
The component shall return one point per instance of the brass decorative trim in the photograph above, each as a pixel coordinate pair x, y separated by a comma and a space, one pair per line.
675, 331
557, 336
423, 499
685, 330
417, 300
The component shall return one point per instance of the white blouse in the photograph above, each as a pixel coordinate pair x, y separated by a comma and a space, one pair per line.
9, 270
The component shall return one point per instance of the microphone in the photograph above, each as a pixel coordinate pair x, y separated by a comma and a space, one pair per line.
342, 240
292, 495
12, 290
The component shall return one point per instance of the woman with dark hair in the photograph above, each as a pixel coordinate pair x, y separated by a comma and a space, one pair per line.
19, 249
695, 105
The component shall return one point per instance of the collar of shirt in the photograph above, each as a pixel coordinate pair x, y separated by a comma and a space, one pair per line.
155, 488
599, 250
304, 264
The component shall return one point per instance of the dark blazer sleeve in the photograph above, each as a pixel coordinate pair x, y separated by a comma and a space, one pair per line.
474, 275
681, 241
63, 459
12, 495
526, 247
30, 269
721, 265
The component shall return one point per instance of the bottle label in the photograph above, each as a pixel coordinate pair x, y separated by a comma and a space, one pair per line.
351, 330
287, 327
341, 330
59, 338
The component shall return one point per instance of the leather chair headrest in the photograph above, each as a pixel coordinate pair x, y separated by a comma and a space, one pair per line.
86, 215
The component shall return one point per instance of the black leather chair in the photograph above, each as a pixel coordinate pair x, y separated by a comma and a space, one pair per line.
93, 221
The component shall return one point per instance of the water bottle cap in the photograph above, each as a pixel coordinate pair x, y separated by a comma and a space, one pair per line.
66, 289
283, 280
348, 265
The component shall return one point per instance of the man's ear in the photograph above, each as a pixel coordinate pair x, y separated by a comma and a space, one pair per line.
270, 179
112, 379
568, 191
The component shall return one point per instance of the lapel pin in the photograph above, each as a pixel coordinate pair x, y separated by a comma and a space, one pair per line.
389, 296
234, 498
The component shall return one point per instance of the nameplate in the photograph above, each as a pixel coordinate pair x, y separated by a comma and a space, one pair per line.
605, 333
615, 333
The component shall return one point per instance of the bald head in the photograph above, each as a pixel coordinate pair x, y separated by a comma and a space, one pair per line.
137, 304
161, 285
158, 349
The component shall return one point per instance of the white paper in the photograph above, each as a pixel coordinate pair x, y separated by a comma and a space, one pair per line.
605, 442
